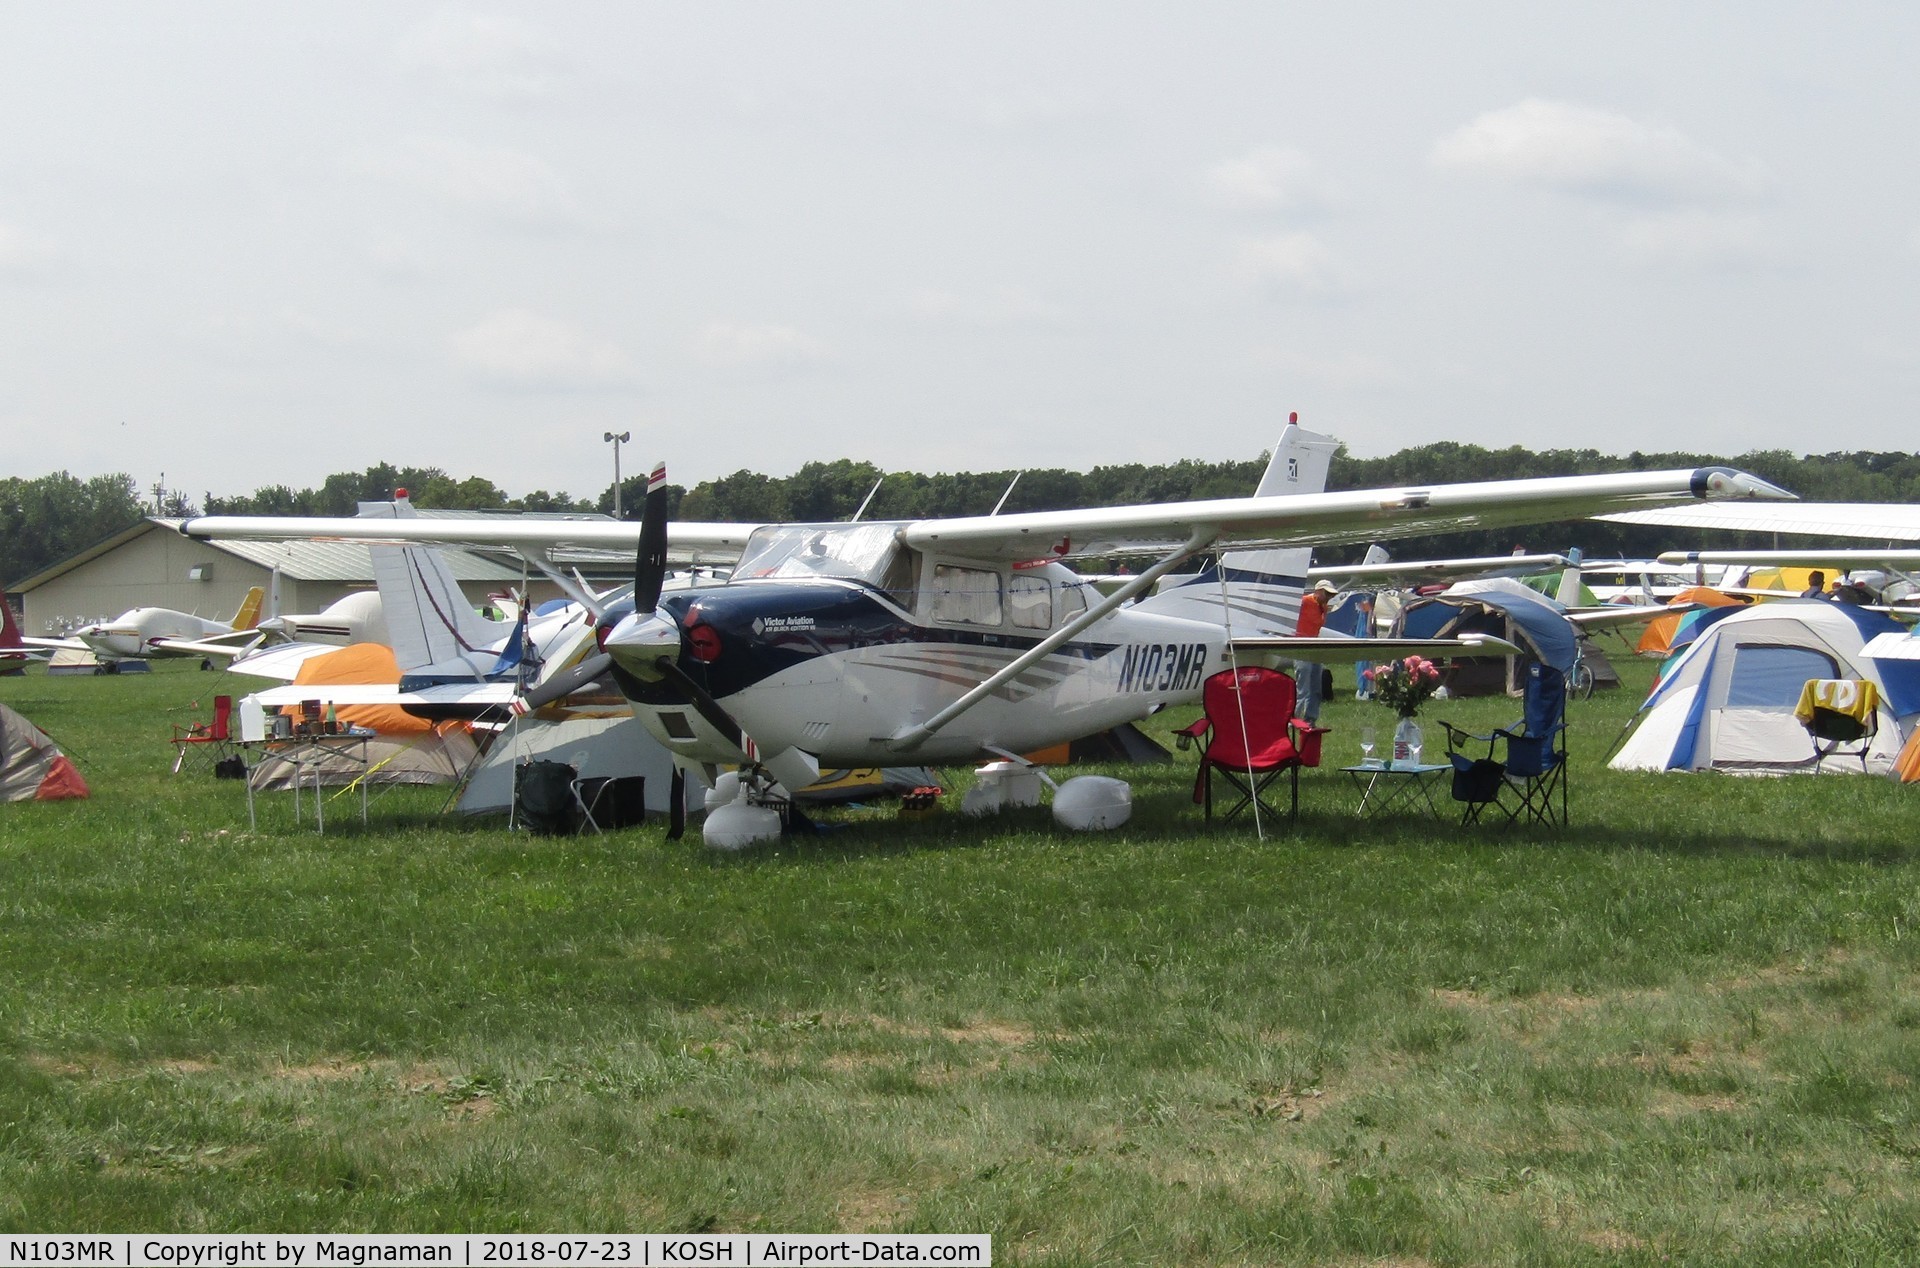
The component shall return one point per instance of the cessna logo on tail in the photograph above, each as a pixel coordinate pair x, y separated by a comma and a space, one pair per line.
1163, 666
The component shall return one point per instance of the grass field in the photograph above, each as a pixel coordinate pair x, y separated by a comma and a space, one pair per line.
1686, 1030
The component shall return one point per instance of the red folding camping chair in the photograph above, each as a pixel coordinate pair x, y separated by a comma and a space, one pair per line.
206, 741
1251, 737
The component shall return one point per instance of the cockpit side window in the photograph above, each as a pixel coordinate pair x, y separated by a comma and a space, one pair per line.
1030, 600
898, 581
966, 596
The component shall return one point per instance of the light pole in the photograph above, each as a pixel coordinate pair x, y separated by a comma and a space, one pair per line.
617, 438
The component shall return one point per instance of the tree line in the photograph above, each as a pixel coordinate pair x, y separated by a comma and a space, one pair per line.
53, 517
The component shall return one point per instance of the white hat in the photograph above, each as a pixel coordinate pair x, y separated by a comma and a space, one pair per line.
1328, 586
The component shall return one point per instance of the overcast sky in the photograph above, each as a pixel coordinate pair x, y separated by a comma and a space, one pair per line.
250, 244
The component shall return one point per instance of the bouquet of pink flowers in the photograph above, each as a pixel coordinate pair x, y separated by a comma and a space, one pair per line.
1404, 684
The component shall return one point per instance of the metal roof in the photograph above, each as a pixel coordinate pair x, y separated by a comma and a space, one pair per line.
302, 561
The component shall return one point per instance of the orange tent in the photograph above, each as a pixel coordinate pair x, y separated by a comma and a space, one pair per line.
361, 663
1657, 640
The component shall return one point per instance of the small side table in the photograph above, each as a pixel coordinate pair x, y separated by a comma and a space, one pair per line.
1398, 789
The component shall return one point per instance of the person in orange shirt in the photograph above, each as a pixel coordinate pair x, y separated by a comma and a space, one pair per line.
1313, 614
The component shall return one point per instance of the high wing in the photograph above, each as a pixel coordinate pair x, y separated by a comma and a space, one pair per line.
1862, 521
1256, 522
1330, 519
687, 543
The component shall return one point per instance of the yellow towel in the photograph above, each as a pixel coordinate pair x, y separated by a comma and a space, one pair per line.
1854, 697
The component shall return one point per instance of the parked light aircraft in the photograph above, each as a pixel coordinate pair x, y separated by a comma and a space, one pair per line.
854, 644
14, 652
150, 633
454, 661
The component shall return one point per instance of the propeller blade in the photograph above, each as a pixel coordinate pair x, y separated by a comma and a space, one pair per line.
650, 561
564, 684
704, 704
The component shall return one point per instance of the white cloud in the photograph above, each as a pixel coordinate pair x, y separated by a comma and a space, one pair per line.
1291, 263
487, 54
1696, 238
496, 182
520, 349
1580, 150
1270, 178
24, 255
1002, 306
730, 345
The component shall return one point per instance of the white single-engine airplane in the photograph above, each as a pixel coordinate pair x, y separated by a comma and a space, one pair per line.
858, 644
150, 633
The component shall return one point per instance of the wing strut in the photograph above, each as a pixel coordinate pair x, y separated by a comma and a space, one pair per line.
1202, 537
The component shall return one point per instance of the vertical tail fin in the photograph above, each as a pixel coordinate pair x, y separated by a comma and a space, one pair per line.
9, 632
431, 627
1262, 587
1572, 581
249, 614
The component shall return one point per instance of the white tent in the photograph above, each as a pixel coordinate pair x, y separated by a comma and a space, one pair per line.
1727, 702
616, 746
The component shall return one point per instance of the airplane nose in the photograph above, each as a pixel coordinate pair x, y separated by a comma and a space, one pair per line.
637, 642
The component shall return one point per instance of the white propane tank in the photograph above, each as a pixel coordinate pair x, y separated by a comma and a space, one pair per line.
725, 788
740, 824
1090, 803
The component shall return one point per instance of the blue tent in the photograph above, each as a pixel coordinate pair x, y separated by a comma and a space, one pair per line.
1539, 623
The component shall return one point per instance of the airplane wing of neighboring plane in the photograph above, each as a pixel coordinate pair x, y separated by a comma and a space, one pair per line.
54, 644
1332, 650
238, 643
281, 661
1400, 573
462, 695
1610, 615
1256, 522
1864, 521
1904, 559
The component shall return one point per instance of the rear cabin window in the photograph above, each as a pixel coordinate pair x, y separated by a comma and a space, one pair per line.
966, 596
1773, 677
1030, 600
1073, 601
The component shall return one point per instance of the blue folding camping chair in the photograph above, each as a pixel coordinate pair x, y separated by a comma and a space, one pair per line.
1522, 771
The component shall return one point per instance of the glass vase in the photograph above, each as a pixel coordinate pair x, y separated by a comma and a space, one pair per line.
1406, 743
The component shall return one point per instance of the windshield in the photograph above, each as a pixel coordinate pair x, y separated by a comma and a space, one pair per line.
855, 552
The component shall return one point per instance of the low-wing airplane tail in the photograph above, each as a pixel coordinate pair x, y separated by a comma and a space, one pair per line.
249, 614
1261, 588
433, 630
10, 638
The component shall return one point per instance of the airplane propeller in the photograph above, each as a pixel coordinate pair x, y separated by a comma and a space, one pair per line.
649, 579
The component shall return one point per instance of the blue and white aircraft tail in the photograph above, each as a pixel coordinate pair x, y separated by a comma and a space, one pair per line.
1262, 589
435, 633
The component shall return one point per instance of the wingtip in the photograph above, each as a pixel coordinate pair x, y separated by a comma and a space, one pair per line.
1725, 483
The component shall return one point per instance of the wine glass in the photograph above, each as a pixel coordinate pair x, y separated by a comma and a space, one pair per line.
1366, 745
